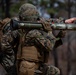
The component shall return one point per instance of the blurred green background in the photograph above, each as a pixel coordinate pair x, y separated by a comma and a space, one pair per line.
46, 8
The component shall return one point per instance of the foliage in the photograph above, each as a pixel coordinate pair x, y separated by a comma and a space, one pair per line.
15, 7
49, 5
44, 2
51, 10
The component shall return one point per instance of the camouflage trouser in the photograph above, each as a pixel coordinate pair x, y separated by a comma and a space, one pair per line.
52, 70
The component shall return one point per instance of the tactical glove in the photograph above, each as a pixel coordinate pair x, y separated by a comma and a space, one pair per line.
46, 25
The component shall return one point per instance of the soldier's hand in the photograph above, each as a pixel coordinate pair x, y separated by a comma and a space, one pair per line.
71, 20
46, 25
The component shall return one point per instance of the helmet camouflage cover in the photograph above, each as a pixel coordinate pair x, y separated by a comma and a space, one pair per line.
28, 12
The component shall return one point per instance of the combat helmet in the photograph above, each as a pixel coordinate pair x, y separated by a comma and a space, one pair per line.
28, 12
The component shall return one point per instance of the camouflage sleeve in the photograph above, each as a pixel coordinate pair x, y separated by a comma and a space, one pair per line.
7, 42
40, 39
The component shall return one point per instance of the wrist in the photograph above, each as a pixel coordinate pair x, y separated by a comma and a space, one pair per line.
75, 19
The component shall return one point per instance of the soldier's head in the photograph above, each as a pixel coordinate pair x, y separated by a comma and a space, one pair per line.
28, 12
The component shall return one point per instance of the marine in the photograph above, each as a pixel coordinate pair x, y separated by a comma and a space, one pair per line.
26, 51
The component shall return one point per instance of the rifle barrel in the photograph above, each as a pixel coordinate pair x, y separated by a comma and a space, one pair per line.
36, 25
56, 26
63, 26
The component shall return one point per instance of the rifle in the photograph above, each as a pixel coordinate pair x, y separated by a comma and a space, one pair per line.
35, 25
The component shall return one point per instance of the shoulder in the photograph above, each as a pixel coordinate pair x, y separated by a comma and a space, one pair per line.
7, 26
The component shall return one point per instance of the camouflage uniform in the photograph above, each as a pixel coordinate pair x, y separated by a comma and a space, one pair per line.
31, 47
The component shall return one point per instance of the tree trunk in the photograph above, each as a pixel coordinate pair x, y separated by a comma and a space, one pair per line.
7, 14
